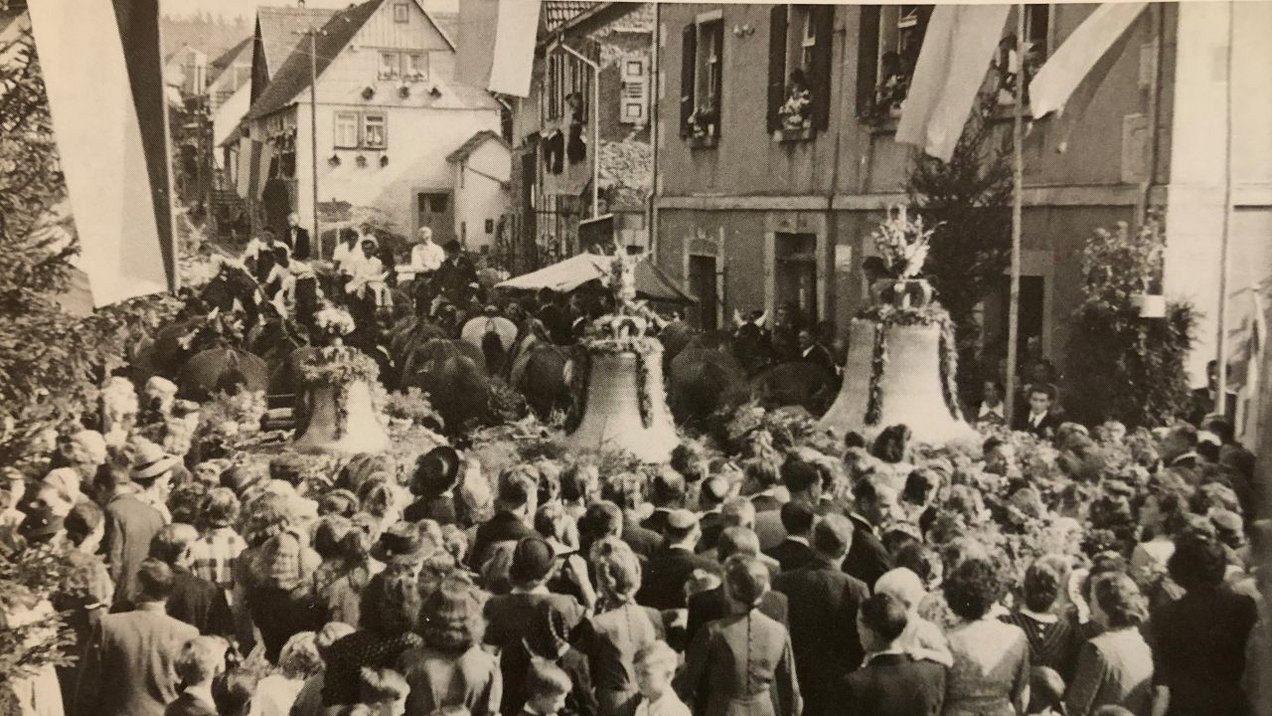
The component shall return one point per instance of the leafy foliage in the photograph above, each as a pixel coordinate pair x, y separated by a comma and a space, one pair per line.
50, 362
27, 577
1124, 367
967, 200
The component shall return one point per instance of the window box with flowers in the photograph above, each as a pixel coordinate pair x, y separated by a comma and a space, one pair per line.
796, 114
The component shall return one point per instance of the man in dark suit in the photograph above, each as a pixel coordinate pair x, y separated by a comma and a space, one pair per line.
667, 492
1201, 402
803, 482
823, 603
867, 560
1042, 418
670, 568
193, 600
811, 351
456, 278
297, 238
628, 494
890, 682
514, 504
712, 604
127, 668
715, 490
796, 550
130, 525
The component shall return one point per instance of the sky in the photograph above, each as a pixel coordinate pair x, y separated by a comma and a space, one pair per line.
247, 8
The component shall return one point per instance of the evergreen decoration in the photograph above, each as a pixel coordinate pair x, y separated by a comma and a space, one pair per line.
967, 200
1123, 367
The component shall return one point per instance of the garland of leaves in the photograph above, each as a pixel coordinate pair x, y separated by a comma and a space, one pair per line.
884, 316
648, 352
878, 362
337, 367
949, 368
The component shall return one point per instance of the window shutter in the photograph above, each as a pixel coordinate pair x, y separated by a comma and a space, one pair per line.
719, 78
634, 99
688, 65
867, 59
777, 65
824, 29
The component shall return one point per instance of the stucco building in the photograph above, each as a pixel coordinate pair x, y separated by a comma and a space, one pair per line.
553, 133
389, 114
753, 212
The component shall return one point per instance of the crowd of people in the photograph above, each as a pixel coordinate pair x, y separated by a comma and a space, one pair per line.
1056, 569
1083, 572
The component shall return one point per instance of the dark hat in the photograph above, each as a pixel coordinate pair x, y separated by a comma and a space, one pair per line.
680, 520
436, 470
532, 560
452, 246
401, 543
40, 524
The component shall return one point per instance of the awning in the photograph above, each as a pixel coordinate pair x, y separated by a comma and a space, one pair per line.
652, 284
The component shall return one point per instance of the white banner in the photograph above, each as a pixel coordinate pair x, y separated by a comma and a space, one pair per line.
99, 147
957, 48
1073, 60
515, 36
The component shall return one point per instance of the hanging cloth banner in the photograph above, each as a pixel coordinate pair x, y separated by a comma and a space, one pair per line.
110, 167
1068, 81
957, 48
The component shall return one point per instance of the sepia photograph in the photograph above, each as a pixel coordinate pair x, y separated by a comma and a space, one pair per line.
578, 358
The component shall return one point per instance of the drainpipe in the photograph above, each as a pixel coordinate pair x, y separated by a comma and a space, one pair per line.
1157, 22
651, 210
832, 227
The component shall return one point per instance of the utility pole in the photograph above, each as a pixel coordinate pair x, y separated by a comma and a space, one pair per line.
1017, 210
315, 238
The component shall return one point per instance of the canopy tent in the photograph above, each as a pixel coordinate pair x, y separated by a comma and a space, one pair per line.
652, 284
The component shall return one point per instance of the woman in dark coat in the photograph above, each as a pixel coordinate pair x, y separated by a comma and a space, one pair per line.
742, 664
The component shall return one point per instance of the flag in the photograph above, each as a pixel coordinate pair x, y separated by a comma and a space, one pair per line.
110, 128
496, 44
476, 41
1069, 80
957, 48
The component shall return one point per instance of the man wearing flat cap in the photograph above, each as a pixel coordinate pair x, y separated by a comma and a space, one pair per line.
669, 569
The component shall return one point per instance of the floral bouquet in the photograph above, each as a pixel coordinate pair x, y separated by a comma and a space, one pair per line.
333, 320
795, 111
903, 243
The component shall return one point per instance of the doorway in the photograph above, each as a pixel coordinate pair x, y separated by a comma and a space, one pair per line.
435, 210
704, 286
796, 274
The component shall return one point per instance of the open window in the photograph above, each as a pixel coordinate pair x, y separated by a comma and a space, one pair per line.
799, 67
888, 50
702, 77
390, 66
1007, 65
374, 131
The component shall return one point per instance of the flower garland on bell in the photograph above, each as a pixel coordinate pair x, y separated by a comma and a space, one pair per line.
337, 367
648, 352
949, 368
884, 316
878, 362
